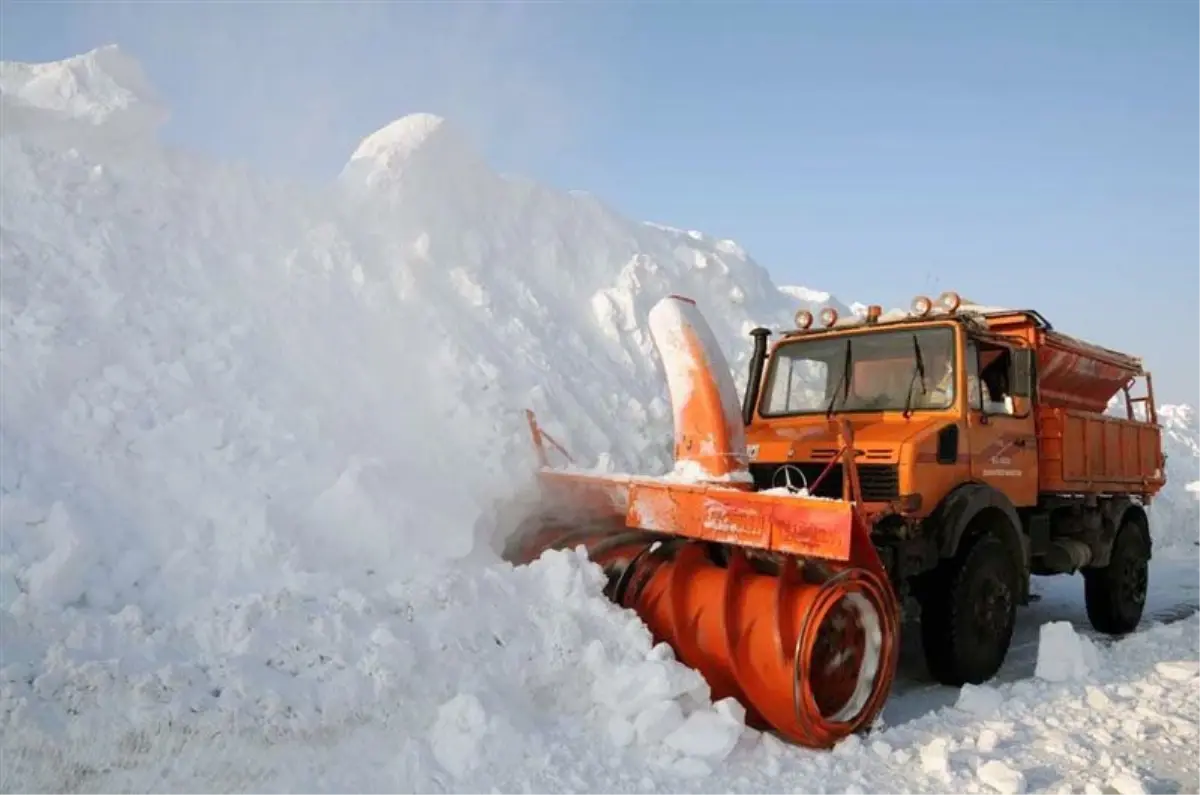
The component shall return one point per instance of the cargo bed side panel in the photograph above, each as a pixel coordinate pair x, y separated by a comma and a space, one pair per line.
1082, 452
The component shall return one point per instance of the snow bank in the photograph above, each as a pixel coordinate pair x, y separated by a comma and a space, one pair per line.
816, 300
1175, 514
251, 434
251, 440
99, 96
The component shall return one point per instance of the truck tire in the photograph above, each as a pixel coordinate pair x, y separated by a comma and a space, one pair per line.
1115, 594
969, 609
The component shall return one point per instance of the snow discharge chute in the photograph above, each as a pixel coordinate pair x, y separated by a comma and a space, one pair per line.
779, 600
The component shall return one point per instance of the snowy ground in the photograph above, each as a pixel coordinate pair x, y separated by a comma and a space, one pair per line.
251, 437
538, 711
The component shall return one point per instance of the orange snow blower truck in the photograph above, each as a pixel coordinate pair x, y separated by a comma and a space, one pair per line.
930, 460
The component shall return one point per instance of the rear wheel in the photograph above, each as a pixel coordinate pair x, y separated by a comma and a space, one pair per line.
968, 610
1115, 595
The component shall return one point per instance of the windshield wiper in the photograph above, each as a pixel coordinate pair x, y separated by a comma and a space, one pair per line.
918, 370
844, 383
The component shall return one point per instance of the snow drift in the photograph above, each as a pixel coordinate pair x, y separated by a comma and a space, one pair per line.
251, 440
249, 432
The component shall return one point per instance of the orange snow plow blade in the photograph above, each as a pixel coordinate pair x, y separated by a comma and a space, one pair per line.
778, 600
766, 521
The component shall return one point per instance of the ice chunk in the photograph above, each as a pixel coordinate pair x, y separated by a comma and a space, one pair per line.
1178, 670
935, 757
657, 721
1002, 778
979, 700
620, 730
635, 688
705, 733
1064, 654
1127, 783
1097, 699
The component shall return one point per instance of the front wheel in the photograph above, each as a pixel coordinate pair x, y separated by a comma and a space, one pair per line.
969, 609
1115, 595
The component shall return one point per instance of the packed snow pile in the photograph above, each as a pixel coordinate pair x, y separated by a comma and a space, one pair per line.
816, 300
1181, 434
101, 95
421, 155
1176, 512
249, 433
252, 437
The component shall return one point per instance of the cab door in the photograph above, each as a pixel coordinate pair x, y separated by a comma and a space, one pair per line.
1000, 419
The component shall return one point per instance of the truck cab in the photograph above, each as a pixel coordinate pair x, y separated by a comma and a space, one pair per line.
983, 455
933, 402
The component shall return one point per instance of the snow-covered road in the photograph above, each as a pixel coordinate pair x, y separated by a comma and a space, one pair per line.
1173, 594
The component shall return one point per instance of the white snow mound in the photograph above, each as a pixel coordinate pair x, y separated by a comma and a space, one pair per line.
251, 435
420, 154
397, 142
99, 95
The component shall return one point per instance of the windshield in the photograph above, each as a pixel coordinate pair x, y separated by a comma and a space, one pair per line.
807, 376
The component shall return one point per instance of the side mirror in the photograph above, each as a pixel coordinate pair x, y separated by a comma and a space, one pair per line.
1023, 373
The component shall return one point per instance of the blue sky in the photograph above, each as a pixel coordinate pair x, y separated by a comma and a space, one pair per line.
1037, 153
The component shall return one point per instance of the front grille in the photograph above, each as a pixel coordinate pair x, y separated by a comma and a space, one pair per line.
880, 482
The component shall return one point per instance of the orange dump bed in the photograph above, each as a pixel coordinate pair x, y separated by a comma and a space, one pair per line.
1082, 452
1073, 374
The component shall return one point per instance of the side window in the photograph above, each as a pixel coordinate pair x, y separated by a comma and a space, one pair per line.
994, 365
974, 394
797, 386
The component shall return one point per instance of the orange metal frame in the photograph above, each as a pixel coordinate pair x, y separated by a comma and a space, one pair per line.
834, 530
1147, 399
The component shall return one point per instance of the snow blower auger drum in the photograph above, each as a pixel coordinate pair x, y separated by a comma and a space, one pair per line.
779, 600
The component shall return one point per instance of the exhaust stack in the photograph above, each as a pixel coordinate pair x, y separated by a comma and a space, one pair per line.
754, 381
